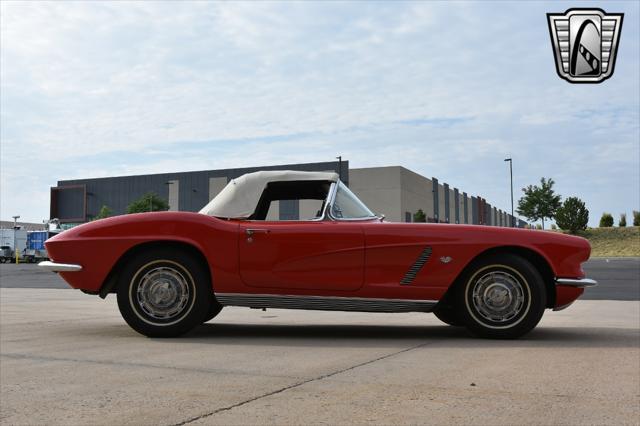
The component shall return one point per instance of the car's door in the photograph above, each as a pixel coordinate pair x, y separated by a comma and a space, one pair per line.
316, 255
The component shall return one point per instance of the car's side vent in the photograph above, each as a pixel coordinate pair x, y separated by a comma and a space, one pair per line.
416, 267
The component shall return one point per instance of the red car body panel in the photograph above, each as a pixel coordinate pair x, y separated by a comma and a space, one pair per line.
321, 255
325, 258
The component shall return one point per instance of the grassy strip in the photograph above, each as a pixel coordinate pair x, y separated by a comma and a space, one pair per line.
613, 242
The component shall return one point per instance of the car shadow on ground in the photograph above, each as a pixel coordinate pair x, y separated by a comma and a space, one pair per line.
362, 335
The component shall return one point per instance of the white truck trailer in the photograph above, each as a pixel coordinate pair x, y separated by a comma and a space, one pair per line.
10, 240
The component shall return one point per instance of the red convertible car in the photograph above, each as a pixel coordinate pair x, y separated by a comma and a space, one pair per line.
174, 270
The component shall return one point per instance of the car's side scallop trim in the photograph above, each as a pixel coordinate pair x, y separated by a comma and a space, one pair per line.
357, 304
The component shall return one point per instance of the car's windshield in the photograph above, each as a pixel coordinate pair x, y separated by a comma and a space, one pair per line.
347, 206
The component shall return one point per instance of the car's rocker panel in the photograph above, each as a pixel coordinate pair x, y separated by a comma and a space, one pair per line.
356, 304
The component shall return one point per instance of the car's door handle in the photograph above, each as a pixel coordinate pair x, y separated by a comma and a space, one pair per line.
251, 231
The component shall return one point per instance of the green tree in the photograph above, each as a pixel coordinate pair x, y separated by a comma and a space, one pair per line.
539, 202
636, 218
419, 216
105, 212
572, 216
149, 202
606, 221
623, 220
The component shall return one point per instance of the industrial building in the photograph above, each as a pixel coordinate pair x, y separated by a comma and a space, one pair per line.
394, 191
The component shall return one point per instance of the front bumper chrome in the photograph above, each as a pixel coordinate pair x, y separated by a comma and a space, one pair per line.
573, 282
59, 267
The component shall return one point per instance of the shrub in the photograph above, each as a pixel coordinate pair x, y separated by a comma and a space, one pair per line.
606, 221
419, 216
636, 218
105, 212
553, 226
147, 203
572, 215
538, 226
623, 220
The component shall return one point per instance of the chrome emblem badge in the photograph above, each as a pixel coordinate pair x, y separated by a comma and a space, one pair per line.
446, 259
585, 43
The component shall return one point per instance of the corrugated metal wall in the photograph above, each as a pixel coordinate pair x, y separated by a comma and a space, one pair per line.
118, 192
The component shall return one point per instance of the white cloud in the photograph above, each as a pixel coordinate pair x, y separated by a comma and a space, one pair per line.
105, 88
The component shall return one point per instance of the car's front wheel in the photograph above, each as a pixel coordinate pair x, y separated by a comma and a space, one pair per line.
164, 293
502, 297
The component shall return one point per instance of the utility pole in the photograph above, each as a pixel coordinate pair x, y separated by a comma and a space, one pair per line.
513, 219
339, 158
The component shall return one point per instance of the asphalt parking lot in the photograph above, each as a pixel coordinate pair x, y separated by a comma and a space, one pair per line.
69, 358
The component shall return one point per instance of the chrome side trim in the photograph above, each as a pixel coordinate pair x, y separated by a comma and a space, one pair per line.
59, 267
582, 282
321, 303
416, 267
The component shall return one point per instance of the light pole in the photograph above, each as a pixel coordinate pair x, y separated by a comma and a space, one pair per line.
15, 242
511, 174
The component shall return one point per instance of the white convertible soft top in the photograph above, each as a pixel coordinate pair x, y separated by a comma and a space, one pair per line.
238, 200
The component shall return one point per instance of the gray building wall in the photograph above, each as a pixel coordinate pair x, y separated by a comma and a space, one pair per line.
452, 206
416, 193
394, 191
436, 199
380, 189
475, 217
466, 208
447, 207
487, 214
456, 202
442, 215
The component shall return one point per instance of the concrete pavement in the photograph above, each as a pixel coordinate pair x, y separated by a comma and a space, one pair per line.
68, 358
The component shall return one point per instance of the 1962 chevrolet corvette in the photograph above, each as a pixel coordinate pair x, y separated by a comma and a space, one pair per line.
174, 270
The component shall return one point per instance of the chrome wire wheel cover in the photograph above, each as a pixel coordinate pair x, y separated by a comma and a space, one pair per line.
498, 297
163, 293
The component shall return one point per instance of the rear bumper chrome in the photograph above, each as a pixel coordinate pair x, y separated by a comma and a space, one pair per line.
59, 267
573, 282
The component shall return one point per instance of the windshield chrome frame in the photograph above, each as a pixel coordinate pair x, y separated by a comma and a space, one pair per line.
333, 191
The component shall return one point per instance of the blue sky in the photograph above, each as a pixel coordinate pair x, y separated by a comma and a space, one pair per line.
447, 89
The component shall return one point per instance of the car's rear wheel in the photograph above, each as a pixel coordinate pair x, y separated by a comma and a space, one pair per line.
164, 293
501, 297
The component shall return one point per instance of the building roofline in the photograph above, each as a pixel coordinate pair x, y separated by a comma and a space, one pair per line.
294, 166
